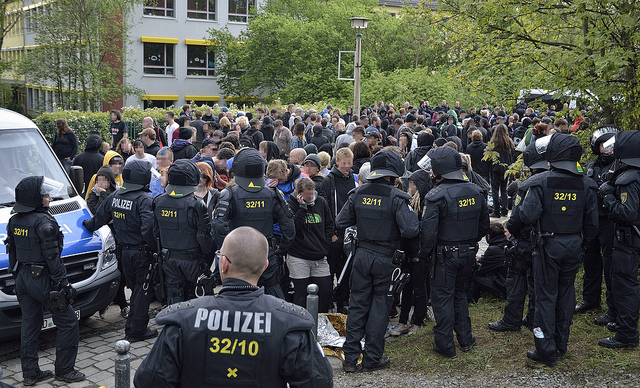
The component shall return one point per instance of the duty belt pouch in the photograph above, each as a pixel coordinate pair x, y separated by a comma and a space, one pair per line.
36, 271
398, 257
57, 301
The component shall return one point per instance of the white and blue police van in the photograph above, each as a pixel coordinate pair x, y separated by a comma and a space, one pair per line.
89, 258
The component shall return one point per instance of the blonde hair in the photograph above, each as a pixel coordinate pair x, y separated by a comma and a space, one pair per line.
344, 153
225, 123
242, 121
325, 159
276, 167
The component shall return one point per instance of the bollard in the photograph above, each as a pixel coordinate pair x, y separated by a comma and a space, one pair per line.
123, 364
312, 305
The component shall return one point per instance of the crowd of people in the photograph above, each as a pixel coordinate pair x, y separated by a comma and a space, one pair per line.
383, 209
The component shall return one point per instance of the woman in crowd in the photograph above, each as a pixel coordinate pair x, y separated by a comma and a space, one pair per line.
298, 140
65, 144
502, 144
125, 148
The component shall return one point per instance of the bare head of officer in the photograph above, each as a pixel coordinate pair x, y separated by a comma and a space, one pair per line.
244, 255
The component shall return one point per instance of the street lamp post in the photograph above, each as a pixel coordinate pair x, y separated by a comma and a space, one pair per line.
358, 23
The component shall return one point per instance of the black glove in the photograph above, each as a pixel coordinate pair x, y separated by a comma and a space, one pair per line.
85, 223
280, 263
605, 189
70, 292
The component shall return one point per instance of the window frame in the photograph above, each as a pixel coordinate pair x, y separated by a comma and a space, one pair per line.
248, 5
209, 71
168, 12
165, 56
208, 13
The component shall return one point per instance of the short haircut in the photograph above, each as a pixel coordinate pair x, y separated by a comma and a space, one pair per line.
138, 142
476, 135
303, 184
276, 167
171, 114
451, 144
165, 151
358, 129
197, 113
226, 144
344, 153
185, 107
495, 230
242, 121
263, 146
560, 122
277, 123
225, 153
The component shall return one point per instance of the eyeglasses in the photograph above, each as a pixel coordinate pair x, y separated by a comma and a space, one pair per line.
220, 255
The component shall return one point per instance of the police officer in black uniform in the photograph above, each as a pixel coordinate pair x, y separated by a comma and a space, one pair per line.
455, 219
251, 203
597, 253
622, 200
520, 275
183, 224
34, 243
242, 337
561, 203
382, 215
130, 210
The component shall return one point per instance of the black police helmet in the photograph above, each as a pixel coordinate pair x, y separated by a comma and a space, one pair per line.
534, 158
28, 197
386, 163
183, 178
447, 163
564, 152
627, 148
249, 167
602, 134
135, 175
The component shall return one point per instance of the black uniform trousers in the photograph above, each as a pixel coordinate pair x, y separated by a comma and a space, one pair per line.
369, 306
520, 281
555, 302
269, 279
596, 257
449, 299
33, 294
415, 293
178, 275
624, 283
135, 266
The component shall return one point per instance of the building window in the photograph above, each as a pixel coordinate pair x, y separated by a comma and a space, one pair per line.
239, 10
164, 104
158, 58
162, 8
201, 9
200, 61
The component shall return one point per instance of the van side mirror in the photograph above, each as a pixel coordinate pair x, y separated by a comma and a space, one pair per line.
76, 173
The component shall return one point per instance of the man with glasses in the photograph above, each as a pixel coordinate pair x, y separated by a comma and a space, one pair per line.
241, 337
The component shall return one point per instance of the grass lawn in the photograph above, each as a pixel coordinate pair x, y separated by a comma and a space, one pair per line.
506, 352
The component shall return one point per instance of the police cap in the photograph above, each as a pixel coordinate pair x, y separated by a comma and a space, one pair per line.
564, 152
249, 167
533, 158
447, 163
135, 175
386, 163
28, 197
627, 148
183, 177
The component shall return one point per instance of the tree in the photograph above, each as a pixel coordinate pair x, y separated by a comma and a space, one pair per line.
80, 47
592, 47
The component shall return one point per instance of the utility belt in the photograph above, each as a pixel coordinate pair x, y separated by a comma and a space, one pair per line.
183, 255
627, 234
136, 247
445, 248
37, 270
272, 281
387, 251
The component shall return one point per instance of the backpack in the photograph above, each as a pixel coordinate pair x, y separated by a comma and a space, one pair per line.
246, 141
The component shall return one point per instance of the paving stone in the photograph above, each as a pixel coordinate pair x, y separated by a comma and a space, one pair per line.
104, 365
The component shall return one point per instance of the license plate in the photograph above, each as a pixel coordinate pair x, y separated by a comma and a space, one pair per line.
48, 322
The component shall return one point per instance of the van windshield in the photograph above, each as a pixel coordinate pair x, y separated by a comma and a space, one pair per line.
23, 152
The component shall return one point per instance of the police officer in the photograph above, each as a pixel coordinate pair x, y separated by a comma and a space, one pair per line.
183, 224
242, 337
34, 243
130, 210
455, 219
520, 275
562, 204
382, 215
622, 202
597, 253
251, 203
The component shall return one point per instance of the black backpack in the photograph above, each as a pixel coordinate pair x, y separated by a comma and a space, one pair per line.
246, 141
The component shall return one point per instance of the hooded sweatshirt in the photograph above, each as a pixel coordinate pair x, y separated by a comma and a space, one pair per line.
273, 152
90, 160
425, 143
107, 157
314, 228
183, 149
289, 186
422, 180
335, 189
94, 198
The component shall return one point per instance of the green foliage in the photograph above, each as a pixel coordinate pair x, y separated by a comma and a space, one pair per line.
79, 51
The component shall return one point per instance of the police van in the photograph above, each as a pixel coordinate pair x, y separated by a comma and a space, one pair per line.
89, 258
